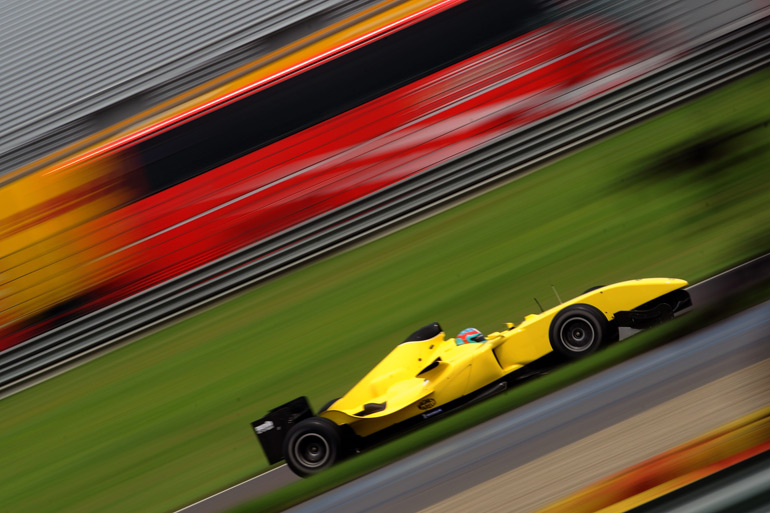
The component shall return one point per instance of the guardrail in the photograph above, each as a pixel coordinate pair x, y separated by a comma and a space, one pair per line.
36, 121
657, 479
742, 487
717, 59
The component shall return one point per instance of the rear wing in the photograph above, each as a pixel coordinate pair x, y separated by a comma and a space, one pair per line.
271, 429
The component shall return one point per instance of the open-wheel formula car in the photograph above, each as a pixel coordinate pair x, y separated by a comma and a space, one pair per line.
428, 375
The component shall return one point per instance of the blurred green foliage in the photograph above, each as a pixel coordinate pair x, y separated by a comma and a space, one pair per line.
411, 442
164, 421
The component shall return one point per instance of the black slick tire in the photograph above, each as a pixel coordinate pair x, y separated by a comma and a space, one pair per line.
312, 445
578, 330
327, 405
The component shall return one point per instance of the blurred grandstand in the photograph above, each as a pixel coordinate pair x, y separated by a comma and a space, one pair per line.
73, 69
382, 93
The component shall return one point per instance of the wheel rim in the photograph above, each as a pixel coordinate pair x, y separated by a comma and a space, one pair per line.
577, 334
311, 450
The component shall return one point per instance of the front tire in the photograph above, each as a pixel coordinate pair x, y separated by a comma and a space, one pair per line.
327, 405
578, 331
312, 446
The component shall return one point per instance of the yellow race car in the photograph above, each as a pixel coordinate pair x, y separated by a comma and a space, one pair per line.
428, 375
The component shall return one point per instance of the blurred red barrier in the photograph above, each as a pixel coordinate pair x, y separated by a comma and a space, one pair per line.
325, 166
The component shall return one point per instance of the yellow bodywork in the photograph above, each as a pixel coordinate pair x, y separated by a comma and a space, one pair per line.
419, 376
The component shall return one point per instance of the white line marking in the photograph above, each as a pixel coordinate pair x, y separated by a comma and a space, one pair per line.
231, 488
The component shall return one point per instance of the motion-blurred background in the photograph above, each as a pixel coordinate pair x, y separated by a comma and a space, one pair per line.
160, 157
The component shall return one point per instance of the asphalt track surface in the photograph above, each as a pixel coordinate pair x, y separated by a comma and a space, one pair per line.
521, 436
553, 422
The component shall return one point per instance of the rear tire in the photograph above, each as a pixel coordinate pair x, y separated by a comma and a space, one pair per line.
578, 330
312, 446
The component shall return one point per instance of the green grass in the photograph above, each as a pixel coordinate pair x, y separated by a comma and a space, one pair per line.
297, 492
165, 421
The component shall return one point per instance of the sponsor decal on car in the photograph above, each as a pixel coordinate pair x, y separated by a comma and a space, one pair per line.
430, 414
426, 404
265, 426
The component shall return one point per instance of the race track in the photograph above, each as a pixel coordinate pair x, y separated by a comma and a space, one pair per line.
551, 447
478, 467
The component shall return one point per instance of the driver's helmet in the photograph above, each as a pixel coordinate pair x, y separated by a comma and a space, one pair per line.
469, 336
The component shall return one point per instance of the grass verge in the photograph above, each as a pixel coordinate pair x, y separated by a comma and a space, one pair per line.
297, 492
164, 421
